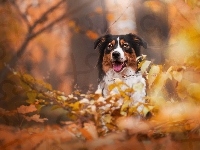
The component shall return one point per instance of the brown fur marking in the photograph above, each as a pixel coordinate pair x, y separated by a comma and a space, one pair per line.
131, 60
106, 62
122, 41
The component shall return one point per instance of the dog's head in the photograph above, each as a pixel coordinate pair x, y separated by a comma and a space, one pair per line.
118, 52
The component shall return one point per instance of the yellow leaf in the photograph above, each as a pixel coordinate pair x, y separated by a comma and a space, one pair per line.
111, 87
28, 78
129, 90
132, 110
145, 66
192, 3
138, 86
140, 60
123, 113
153, 73
54, 107
39, 107
124, 95
178, 75
145, 110
181, 89
125, 107
75, 106
158, 101
159, 84
107, 118
150, 107
168, 73
194, 90
62, 98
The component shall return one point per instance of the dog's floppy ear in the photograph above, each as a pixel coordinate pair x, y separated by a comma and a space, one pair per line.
100, 41
139, 41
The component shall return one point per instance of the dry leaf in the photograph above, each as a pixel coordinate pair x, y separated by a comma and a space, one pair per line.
178, 75
26, 109
35, 118
91, 129
194, 90
145, 66
153, 73
107, 118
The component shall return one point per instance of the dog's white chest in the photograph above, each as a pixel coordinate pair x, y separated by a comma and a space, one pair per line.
130, 79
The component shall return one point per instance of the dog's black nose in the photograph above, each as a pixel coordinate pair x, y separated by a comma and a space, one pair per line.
115, 54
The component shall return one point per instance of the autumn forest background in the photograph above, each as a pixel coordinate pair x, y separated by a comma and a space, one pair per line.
48, 75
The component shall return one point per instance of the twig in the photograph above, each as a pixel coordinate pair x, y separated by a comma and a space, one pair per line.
23, 16
30, 35
45, 14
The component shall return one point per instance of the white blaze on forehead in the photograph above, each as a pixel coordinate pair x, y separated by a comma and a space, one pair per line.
118, 42
119, 49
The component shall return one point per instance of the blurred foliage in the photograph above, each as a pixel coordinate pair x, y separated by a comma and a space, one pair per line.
92, 116
104, 111
192, 3
97, 122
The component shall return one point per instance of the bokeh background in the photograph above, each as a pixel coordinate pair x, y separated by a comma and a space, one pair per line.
53, 39
53, 42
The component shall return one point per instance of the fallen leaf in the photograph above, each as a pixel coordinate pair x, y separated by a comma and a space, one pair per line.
145, 66
178, 75
153, 73
35, 118
26, 109
194, 90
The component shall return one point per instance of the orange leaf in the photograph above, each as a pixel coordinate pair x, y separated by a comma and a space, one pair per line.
35, 118
86, 134
92, 34
26, 109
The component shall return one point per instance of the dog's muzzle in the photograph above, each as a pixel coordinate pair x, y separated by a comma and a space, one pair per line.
116, 55
117, 62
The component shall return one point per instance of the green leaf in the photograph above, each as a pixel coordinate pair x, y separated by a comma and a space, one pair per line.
39, 107
28, 78
31, 96
54, 107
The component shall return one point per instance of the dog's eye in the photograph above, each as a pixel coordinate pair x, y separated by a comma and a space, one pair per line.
110, 46
126, 45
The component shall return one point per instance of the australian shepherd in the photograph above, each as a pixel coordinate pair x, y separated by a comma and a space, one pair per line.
118, 60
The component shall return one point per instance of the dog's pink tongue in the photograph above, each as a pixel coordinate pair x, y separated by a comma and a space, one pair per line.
117, 67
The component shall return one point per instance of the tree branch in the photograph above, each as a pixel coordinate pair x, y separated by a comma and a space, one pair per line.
59, 19
30, 35
45, 14
23, 16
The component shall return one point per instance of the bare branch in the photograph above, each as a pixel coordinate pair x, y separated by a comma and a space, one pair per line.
23, 16
30, 35
45, 14
60, 19
41, 18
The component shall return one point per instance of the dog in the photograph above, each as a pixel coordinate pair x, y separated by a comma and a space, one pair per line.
118, 60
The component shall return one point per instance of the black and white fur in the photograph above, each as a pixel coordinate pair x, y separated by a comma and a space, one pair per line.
117, 60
